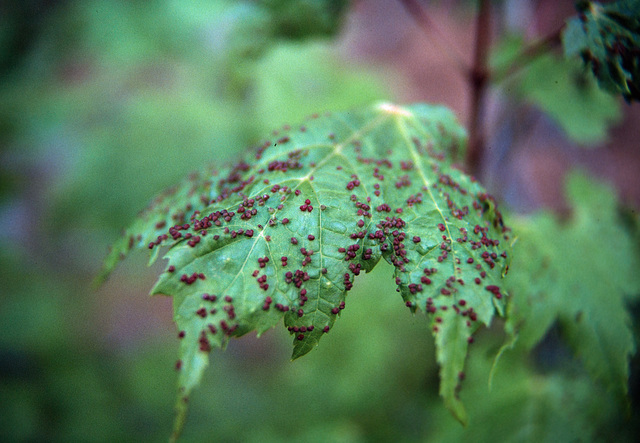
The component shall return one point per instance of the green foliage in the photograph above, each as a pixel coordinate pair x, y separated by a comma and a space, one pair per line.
136, 81
304, 18
607, 37
284, 234
560, 87
45, 335
526, 403
300, 79
579, 273
247, 30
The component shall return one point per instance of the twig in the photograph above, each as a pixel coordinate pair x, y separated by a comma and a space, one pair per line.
478, 78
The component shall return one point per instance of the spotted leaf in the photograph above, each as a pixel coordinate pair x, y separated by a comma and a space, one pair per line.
285, 234
607, 37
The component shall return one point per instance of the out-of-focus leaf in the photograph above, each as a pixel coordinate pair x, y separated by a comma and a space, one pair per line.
286, 233
294, 19
571, 98
248, 29
562, 89
607, 37
300, 79
577, 273
523, 405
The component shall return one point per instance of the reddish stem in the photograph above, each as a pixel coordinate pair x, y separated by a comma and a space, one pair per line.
478, 79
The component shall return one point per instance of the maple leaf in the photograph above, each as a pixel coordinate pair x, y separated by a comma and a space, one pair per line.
284, 235
580, 274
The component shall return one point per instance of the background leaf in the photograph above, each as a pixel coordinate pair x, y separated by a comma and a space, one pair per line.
563, 90
527, 403
299, 79
578, 273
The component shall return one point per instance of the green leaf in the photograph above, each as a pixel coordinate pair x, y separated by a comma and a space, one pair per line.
562, 89
526, 405
305, 18
572, 99
284, 235
577, 273
607, 37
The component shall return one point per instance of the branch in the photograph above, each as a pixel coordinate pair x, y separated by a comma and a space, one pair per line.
478, 78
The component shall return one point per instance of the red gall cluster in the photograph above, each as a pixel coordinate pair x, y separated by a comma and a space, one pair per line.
307, 256
190, 279
306, 206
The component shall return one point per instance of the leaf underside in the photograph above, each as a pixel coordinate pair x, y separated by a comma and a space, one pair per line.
607, 37
285, 233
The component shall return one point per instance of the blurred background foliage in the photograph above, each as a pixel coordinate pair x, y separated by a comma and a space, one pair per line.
103, 104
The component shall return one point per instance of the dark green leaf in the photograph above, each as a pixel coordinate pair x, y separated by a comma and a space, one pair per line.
305, 18
524, 405
578, 273
284, 234
607, 37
